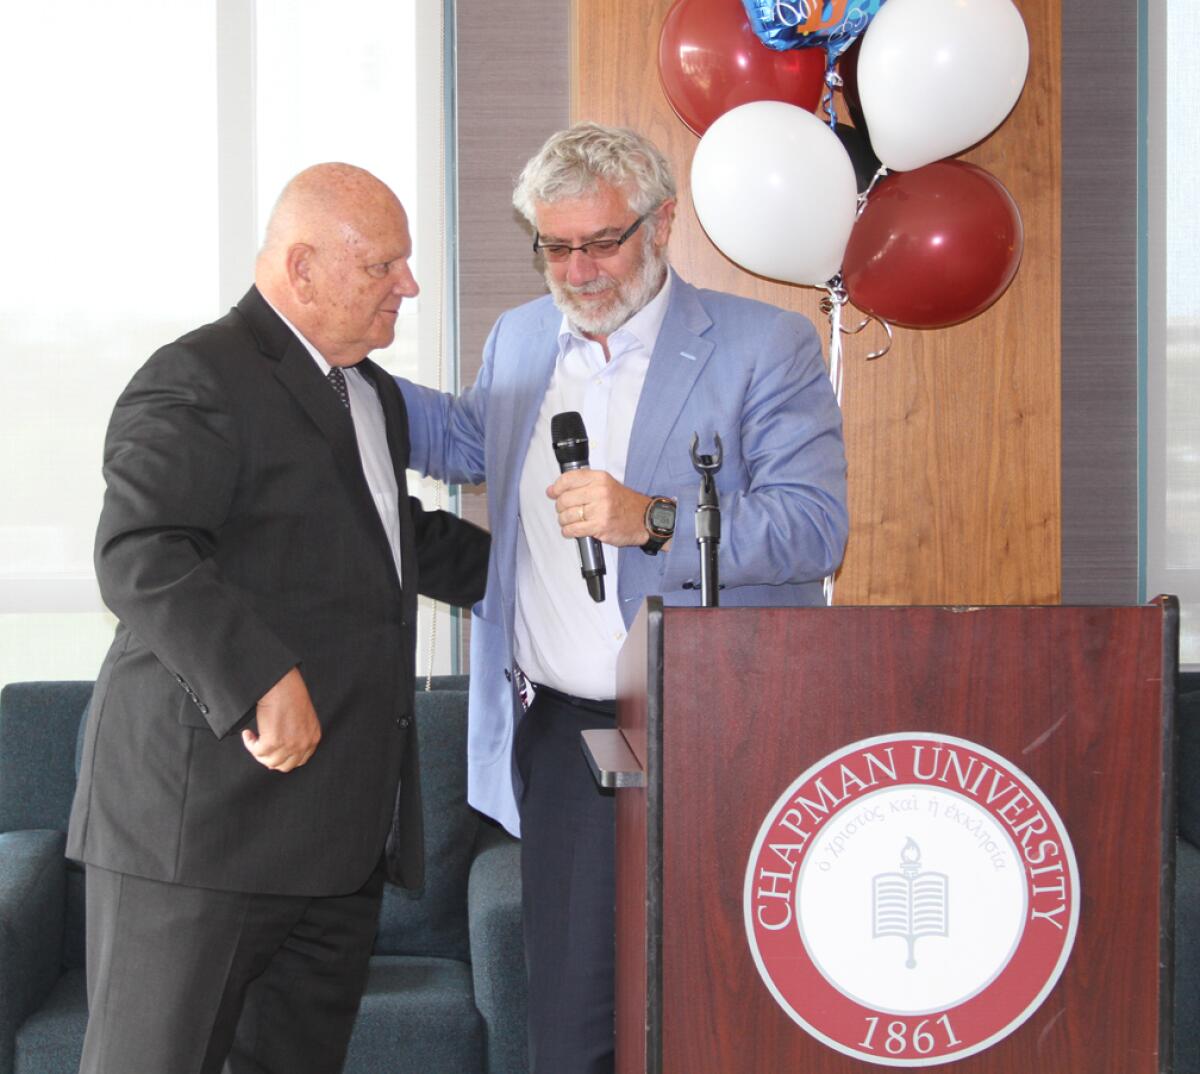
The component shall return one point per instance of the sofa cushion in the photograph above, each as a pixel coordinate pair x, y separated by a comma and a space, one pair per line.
51, 1040
38, 727
74, 944
1187, 720
31, 927
1187, 958
417, 1016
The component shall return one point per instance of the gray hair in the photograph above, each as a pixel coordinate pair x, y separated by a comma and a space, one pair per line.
574, 161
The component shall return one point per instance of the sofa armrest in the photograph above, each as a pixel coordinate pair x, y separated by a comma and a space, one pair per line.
498, 947
32, 907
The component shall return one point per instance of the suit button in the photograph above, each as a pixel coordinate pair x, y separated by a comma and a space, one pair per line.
402, 722
203, 708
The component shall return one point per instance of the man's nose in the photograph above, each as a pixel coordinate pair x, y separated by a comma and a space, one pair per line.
580, 268
405, 283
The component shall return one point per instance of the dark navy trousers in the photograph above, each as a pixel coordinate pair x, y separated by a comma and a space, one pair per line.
568, 829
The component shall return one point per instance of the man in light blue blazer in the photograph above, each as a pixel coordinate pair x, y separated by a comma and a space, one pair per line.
648, 361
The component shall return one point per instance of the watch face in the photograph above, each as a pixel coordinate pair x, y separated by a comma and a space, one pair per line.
662, 517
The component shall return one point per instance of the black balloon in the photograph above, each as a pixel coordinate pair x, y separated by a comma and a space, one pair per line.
865, 162
848, 69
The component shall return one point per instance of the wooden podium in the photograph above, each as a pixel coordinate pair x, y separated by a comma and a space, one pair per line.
720, 712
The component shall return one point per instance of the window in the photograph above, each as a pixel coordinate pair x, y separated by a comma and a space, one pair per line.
149, 142
1173, 315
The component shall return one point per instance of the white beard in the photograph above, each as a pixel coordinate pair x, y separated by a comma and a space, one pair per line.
627, 297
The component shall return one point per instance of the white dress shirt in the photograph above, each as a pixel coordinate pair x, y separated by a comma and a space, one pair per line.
562, 637
370, 430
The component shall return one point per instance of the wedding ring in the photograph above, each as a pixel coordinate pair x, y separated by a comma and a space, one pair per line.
582, 514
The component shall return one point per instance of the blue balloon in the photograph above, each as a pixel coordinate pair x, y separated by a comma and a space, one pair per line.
829, 24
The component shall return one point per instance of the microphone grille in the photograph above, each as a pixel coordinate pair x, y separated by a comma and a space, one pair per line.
567, 426
569, 438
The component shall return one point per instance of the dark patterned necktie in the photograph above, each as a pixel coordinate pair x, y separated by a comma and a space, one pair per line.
338, 379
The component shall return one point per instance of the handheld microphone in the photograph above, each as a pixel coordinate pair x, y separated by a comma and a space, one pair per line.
571, 449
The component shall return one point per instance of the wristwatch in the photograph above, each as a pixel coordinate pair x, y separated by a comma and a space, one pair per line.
660, 521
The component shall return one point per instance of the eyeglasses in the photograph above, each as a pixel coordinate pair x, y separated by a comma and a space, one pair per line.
597, 248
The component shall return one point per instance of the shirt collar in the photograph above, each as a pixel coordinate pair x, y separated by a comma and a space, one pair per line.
640, 330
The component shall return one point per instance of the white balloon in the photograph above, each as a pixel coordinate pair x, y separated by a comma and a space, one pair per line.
936, 76
775, 191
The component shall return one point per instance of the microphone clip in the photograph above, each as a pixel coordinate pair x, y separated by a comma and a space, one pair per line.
708, 520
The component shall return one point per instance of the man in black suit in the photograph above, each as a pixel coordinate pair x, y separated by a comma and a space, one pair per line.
253, 718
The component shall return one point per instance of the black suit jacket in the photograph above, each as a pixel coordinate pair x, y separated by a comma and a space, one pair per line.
238, 539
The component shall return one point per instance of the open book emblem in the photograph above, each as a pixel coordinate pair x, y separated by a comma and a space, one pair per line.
911, 903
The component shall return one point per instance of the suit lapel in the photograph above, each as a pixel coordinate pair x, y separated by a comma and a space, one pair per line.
679, 357
509, 430
299, 374
514, 430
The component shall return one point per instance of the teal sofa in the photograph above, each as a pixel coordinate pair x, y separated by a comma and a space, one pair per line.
446, 991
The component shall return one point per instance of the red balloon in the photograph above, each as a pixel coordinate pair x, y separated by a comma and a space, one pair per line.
710, 61
934, 246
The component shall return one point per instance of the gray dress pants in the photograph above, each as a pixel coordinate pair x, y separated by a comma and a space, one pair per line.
185, 980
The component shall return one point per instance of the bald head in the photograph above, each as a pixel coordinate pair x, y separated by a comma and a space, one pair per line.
334, 260
322, 202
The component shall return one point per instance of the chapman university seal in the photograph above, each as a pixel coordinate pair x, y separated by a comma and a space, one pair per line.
911, 899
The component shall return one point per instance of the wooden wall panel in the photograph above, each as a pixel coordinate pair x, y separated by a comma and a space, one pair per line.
512, 91
953, 437
1101, 303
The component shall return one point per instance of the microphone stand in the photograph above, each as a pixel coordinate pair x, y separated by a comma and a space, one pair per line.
708, 522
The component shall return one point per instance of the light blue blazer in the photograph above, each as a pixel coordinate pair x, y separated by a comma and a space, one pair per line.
722, 365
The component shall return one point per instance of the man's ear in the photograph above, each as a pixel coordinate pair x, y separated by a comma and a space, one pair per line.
664, 218
299, 264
